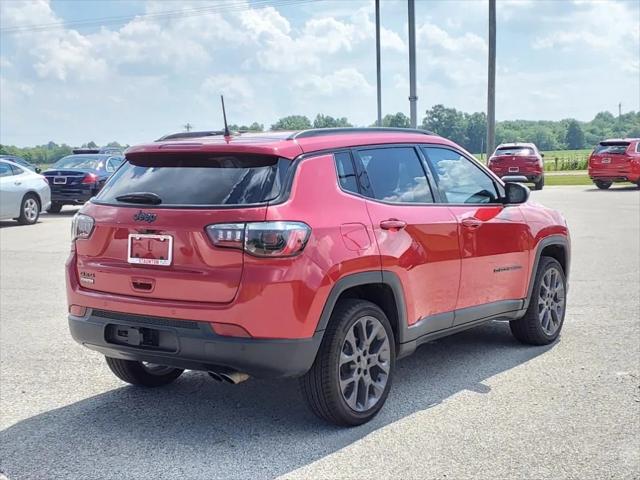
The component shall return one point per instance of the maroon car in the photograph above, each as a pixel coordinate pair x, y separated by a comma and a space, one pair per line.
518, 159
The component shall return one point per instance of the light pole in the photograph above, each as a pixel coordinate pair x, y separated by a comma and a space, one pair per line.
491, 92
378, 72
413, 97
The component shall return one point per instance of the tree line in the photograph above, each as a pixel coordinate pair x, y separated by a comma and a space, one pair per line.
466, 129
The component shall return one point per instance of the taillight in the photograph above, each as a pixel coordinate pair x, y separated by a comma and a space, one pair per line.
82, 226
90, 178
261, 239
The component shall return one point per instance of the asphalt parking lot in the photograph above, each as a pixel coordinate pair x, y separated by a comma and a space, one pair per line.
475, 405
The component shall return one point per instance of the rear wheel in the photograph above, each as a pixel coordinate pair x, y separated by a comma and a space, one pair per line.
142, 373
602, 185
539, 184
351, 376
55, 207
543, 320
29, 209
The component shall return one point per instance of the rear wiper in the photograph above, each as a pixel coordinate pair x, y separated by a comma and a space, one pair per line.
140, 197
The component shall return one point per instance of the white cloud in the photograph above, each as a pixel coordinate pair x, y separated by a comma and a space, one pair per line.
344, 80
236, 90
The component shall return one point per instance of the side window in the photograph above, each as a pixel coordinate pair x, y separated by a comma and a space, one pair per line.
638, 147
16, 170
458, 178
396, 175
346, 173
5, 170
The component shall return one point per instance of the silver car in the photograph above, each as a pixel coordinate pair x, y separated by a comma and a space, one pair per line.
23, 193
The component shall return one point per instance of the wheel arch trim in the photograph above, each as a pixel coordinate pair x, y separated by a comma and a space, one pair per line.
561, 241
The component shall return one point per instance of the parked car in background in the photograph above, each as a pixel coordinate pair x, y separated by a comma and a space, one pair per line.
324, 254
23, 193
521, 159
615, 160
115, 151
74, 179
20, 161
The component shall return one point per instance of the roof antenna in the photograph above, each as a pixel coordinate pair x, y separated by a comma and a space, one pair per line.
227, 133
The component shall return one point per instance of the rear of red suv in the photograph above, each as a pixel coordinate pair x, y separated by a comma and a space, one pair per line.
616, 160
518, 159
323, 255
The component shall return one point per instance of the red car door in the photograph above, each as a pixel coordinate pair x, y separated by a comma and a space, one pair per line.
417, 238
493, 238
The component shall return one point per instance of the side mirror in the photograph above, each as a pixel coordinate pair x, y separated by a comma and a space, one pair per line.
38, 170
542, 154
515, 193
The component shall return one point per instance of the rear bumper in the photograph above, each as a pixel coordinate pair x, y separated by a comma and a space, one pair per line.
73, 198
193, 345
629, 173
534, 177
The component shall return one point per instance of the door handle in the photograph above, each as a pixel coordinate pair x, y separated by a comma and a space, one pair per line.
17, 183
392, 224
471, 222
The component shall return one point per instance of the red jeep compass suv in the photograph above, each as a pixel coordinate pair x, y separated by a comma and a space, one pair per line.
518, 159
323, 254
615, 161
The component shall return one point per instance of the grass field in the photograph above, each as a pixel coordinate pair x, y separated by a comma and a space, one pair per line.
580, 179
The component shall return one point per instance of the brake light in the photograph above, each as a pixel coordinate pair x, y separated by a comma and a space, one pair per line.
261, 239
90, 178
82, 226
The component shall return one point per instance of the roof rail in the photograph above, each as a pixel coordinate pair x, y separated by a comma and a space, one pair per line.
319, 132
175, 136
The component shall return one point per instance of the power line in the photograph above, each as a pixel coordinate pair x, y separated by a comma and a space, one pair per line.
165, 15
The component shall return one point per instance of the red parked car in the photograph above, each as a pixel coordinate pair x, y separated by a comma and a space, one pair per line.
615, 161
518, 159
322, 254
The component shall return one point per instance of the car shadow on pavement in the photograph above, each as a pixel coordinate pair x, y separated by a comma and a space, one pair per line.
199, 428
615, 188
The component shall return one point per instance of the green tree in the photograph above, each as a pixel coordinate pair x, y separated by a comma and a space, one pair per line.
575, 136
327, 121
398, 120
292, 122
447, 122
256, 127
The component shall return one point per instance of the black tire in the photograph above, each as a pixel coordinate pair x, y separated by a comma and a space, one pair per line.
137, 373
539, 185
321, 385
529, 329
602, 185
55, 207
29, 209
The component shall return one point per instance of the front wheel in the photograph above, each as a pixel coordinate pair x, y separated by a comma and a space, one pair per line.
542, 322
351, 376
142, 373
602, 185
29, 210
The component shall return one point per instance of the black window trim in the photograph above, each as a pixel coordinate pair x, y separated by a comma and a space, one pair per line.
443, 199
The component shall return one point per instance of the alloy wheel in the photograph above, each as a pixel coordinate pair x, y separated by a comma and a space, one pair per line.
365, 361
31, 209
551, 301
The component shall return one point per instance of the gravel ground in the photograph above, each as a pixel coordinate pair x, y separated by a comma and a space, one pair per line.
475, 405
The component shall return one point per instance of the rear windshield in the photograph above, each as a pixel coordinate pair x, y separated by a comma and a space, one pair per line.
78, 161
616, 148
515, 151
199, 180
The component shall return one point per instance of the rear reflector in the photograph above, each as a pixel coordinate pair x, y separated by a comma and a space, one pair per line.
229, 330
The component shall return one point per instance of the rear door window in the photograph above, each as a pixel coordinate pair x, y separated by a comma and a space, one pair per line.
199, 180
395, 175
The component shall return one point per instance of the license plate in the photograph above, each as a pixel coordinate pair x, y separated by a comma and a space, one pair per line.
145, 249
514, 169
606, 160
59, 180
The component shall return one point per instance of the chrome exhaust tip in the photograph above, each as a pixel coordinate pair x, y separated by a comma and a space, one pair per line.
228, 376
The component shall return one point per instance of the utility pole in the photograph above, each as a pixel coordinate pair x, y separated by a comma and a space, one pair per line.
187, 127
378, 72
619, 109
413, 97
491, 93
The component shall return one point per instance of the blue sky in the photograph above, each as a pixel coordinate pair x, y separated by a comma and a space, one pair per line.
129, 71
